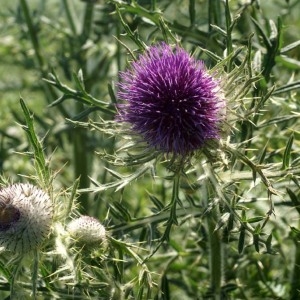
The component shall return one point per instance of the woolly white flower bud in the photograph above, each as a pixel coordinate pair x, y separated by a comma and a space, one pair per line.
25, 217
87, 230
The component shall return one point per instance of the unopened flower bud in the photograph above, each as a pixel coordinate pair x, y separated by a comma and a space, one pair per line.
25, 217
87, 230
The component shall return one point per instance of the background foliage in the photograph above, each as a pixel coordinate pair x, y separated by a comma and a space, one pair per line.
63, 58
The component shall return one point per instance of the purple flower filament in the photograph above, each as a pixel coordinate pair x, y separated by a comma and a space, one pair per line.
170, 100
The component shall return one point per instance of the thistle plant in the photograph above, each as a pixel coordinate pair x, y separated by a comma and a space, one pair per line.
167, 144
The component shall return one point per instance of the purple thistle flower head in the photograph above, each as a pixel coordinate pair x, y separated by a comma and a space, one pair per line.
170, 100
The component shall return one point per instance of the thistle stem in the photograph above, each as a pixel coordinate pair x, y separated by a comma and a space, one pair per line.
216, 255
35, 273
228, 30
214, 14
81, 164
80, 148
173, 207
17, 265
69, 16
32, 34
295, 283
87, 22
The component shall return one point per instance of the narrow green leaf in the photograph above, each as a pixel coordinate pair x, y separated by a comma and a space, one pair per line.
4, 271
243, 208
230, 223
199, 35
229, 287
263, 154
290, 47
111, 93
295, 230
72, 197
262, 33
165, 287
122, 182
40, 161
295, 200
78, 78
221, 31
256, 234
274, 31
287, 87
83, 114
144, 233
223, 220
241, 242
257, 229
254, 175
116, 213
257, 61
133, 36
166, 31
269, 244
138, 10
123, 211
277, 120
287, 153
244, 217
290, 63
255, 219
256, 242
158, 204
264, 98
211, 54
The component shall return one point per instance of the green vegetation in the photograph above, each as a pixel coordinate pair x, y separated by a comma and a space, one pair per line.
225, 225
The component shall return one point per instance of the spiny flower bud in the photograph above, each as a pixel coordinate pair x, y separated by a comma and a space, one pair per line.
25, 217
87, 230
171, 101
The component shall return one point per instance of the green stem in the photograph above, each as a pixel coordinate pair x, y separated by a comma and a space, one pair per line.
173, 207
228, 31
192, 12
32, 34
79, 135
81, 163
153, 5
17, 265
69, 16
295, 282
155, 219
172, 210
175, 198
35, 273
87, 22
49, 91
216, 254
214, 14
